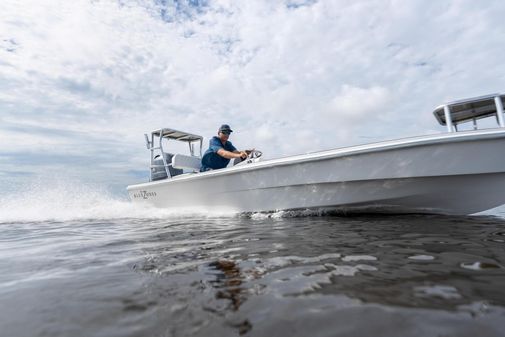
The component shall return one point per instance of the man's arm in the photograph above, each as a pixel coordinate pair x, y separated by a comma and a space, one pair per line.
230, 155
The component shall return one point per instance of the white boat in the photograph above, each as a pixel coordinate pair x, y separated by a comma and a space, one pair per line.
456, 172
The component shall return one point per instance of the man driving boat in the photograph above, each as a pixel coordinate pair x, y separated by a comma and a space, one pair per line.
220, 151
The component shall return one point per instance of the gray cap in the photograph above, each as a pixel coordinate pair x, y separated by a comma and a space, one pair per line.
225, 128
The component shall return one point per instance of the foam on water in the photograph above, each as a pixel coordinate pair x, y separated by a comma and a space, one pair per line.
70, 200
292, 214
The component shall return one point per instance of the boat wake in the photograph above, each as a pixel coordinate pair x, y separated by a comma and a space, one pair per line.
292, 214
66, 201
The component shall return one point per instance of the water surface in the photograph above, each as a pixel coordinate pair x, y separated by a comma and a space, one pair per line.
256, 275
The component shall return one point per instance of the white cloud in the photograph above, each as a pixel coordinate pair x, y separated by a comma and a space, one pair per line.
354, 103
289, 76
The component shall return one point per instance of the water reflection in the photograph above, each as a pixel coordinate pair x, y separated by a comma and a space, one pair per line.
410, 261
260, 275
228, 282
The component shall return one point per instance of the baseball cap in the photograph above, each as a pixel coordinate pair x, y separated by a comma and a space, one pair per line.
225, 128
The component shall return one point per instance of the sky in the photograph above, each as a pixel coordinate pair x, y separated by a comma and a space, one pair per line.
81, 81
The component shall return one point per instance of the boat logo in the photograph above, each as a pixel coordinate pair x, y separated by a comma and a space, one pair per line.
144, 194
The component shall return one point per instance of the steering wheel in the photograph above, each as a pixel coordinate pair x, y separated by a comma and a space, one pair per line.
254, 154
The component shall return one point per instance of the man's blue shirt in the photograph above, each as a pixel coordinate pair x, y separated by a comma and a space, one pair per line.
211, 159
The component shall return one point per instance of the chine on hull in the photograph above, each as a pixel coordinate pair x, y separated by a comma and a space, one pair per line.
458, 173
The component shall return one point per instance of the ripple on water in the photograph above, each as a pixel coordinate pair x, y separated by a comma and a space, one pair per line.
422, 257
438, 290
256, 276
350, 258
480, 265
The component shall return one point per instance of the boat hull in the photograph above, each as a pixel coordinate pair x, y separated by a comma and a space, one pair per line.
449, 174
